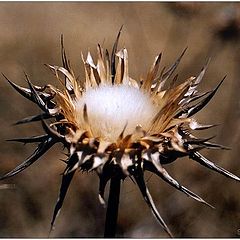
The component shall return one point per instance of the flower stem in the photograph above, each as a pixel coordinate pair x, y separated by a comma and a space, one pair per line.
112, 208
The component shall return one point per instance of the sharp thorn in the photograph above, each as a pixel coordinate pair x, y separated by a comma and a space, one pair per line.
33, 139
41, 149
196, 156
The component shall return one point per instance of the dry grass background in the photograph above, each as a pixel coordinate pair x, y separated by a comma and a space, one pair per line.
30, 37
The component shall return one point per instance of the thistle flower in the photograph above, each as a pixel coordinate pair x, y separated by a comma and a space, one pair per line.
117, 126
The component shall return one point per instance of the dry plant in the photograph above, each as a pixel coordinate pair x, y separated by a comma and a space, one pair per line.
118, 126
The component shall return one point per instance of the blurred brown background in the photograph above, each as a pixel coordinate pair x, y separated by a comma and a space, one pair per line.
30, 36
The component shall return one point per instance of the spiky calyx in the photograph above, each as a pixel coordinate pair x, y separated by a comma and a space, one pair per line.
141, 145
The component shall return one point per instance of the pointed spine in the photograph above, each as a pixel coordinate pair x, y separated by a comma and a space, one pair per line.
196, 156
114, 51
41, 149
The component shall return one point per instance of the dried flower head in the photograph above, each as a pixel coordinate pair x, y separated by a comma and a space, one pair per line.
117, 126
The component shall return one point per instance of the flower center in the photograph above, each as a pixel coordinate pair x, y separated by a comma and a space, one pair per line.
110, 108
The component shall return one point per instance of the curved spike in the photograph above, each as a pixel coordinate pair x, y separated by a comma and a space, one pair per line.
193, 110
66, 180
120, 137
54, 134
215, 146
25, 92
86, 119
198, 79
65, 61
198, 140
166, 75
138, 176
202, 73
193, 98
114, 50
194, 125
36, 97
152, 73
196, 156
29, 139
66, 65
173, 82
72, 163
162, 173
41, 149
34, 118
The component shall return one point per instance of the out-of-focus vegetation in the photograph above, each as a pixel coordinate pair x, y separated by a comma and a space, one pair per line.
30, 36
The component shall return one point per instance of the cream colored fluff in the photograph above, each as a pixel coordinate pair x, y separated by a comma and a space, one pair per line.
110, 108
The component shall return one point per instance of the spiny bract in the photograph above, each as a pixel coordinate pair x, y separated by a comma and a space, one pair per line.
118, 126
